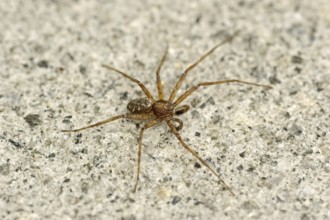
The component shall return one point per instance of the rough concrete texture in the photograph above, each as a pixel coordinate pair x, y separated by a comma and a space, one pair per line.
271, 146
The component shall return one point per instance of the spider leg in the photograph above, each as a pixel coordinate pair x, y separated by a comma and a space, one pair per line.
184, 74
159, 82
194, 88
146, 126
145, 90
180, 126
128, 116
178, 136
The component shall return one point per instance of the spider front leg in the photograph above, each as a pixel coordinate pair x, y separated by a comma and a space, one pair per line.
179, 111
159, 82
194, 88
128, 116
146, 126
180, 126
178, 136
192, 66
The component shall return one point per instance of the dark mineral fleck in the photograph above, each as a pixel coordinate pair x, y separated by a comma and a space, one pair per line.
43, 64
176, 199
33, 120
15, 143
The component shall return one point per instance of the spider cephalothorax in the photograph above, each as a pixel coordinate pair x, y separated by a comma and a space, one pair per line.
156, 111
162, 109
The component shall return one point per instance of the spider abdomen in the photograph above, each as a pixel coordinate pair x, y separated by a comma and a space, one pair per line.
138, 106
162, 109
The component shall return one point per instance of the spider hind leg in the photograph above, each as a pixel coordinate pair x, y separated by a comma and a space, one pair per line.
127, 116
146, 126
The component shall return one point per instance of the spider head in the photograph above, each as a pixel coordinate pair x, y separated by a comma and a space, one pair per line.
162, 109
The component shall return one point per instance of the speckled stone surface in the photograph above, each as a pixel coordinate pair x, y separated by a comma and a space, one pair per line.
271, 146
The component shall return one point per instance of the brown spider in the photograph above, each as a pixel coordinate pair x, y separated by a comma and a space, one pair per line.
156, 111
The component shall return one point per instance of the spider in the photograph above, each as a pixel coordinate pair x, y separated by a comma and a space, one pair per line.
155, 111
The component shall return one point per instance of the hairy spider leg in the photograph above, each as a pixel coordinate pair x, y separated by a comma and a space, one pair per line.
180, 126
194, 88
159, 82
145, 90
184, 74
128, 116
178, 136
146, 126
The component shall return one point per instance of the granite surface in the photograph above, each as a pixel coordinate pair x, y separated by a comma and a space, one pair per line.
271, 146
